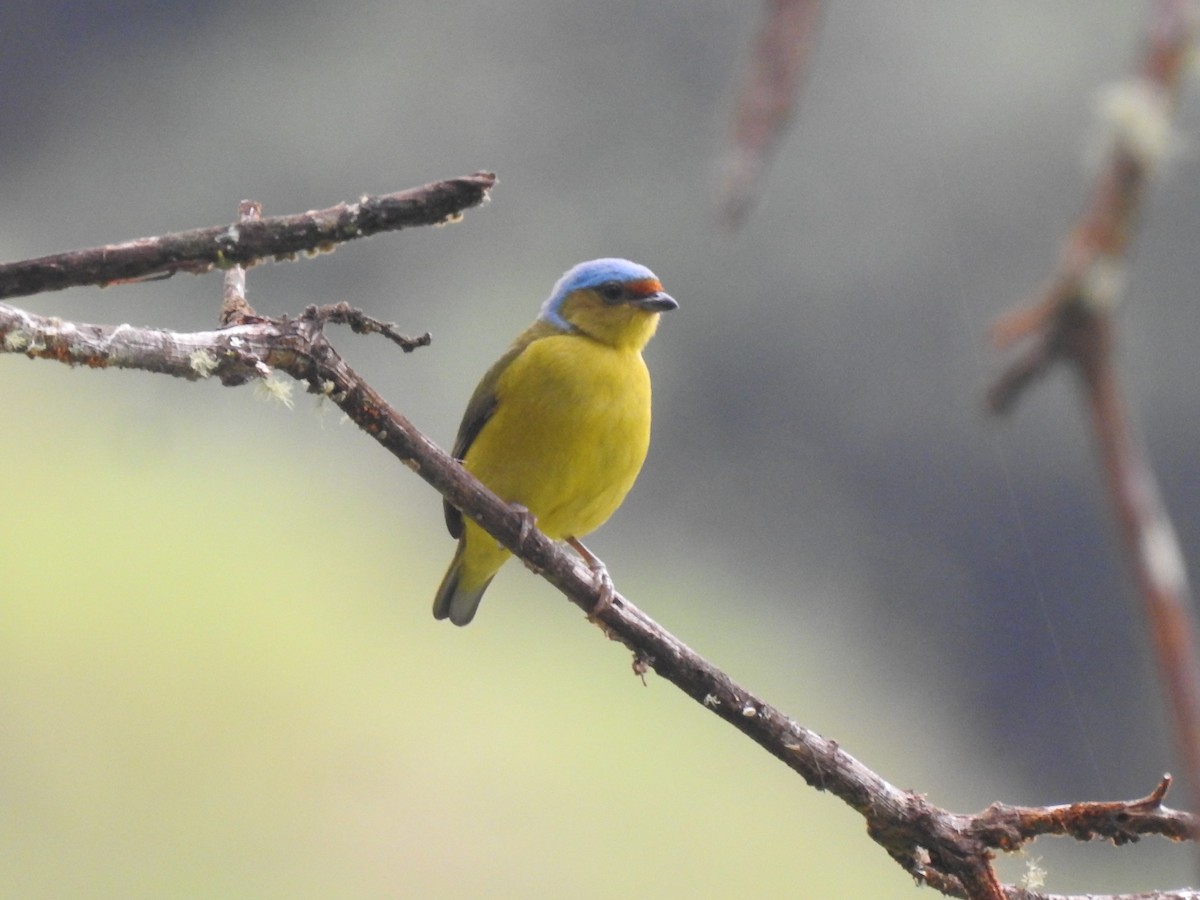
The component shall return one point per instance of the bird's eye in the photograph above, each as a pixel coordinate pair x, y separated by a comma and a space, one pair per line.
611, 291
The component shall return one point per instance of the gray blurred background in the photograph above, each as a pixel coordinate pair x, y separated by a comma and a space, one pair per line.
218, 672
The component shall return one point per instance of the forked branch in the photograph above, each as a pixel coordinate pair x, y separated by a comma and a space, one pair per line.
1072, 322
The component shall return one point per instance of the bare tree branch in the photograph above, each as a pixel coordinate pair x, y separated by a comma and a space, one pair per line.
948, 851
1072, 322
246, 242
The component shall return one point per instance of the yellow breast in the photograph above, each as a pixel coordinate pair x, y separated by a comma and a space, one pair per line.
569, 434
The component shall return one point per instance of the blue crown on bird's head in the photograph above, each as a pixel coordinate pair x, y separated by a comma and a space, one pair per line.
592, 274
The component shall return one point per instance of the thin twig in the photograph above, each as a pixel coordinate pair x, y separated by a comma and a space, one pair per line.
360, 323
1008, 828
234, 307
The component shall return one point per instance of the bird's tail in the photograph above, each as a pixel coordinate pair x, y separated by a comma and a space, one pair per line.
458, 597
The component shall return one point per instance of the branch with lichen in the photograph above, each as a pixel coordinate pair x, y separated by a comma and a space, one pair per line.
1072, 322
950, 852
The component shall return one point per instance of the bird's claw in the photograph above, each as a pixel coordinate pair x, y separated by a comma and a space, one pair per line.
604, 582
528, 521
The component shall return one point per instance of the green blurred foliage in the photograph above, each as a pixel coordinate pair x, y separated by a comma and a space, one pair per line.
219, 677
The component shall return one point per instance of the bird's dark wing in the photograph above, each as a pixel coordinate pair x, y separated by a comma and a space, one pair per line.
482, 405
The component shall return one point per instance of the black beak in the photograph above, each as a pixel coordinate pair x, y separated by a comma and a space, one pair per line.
659, 301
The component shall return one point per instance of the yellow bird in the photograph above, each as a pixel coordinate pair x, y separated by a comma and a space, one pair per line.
560, 424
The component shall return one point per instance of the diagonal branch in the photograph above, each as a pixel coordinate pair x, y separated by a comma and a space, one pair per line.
948, 851
246, 242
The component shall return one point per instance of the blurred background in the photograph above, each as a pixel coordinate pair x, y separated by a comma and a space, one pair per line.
219, 675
